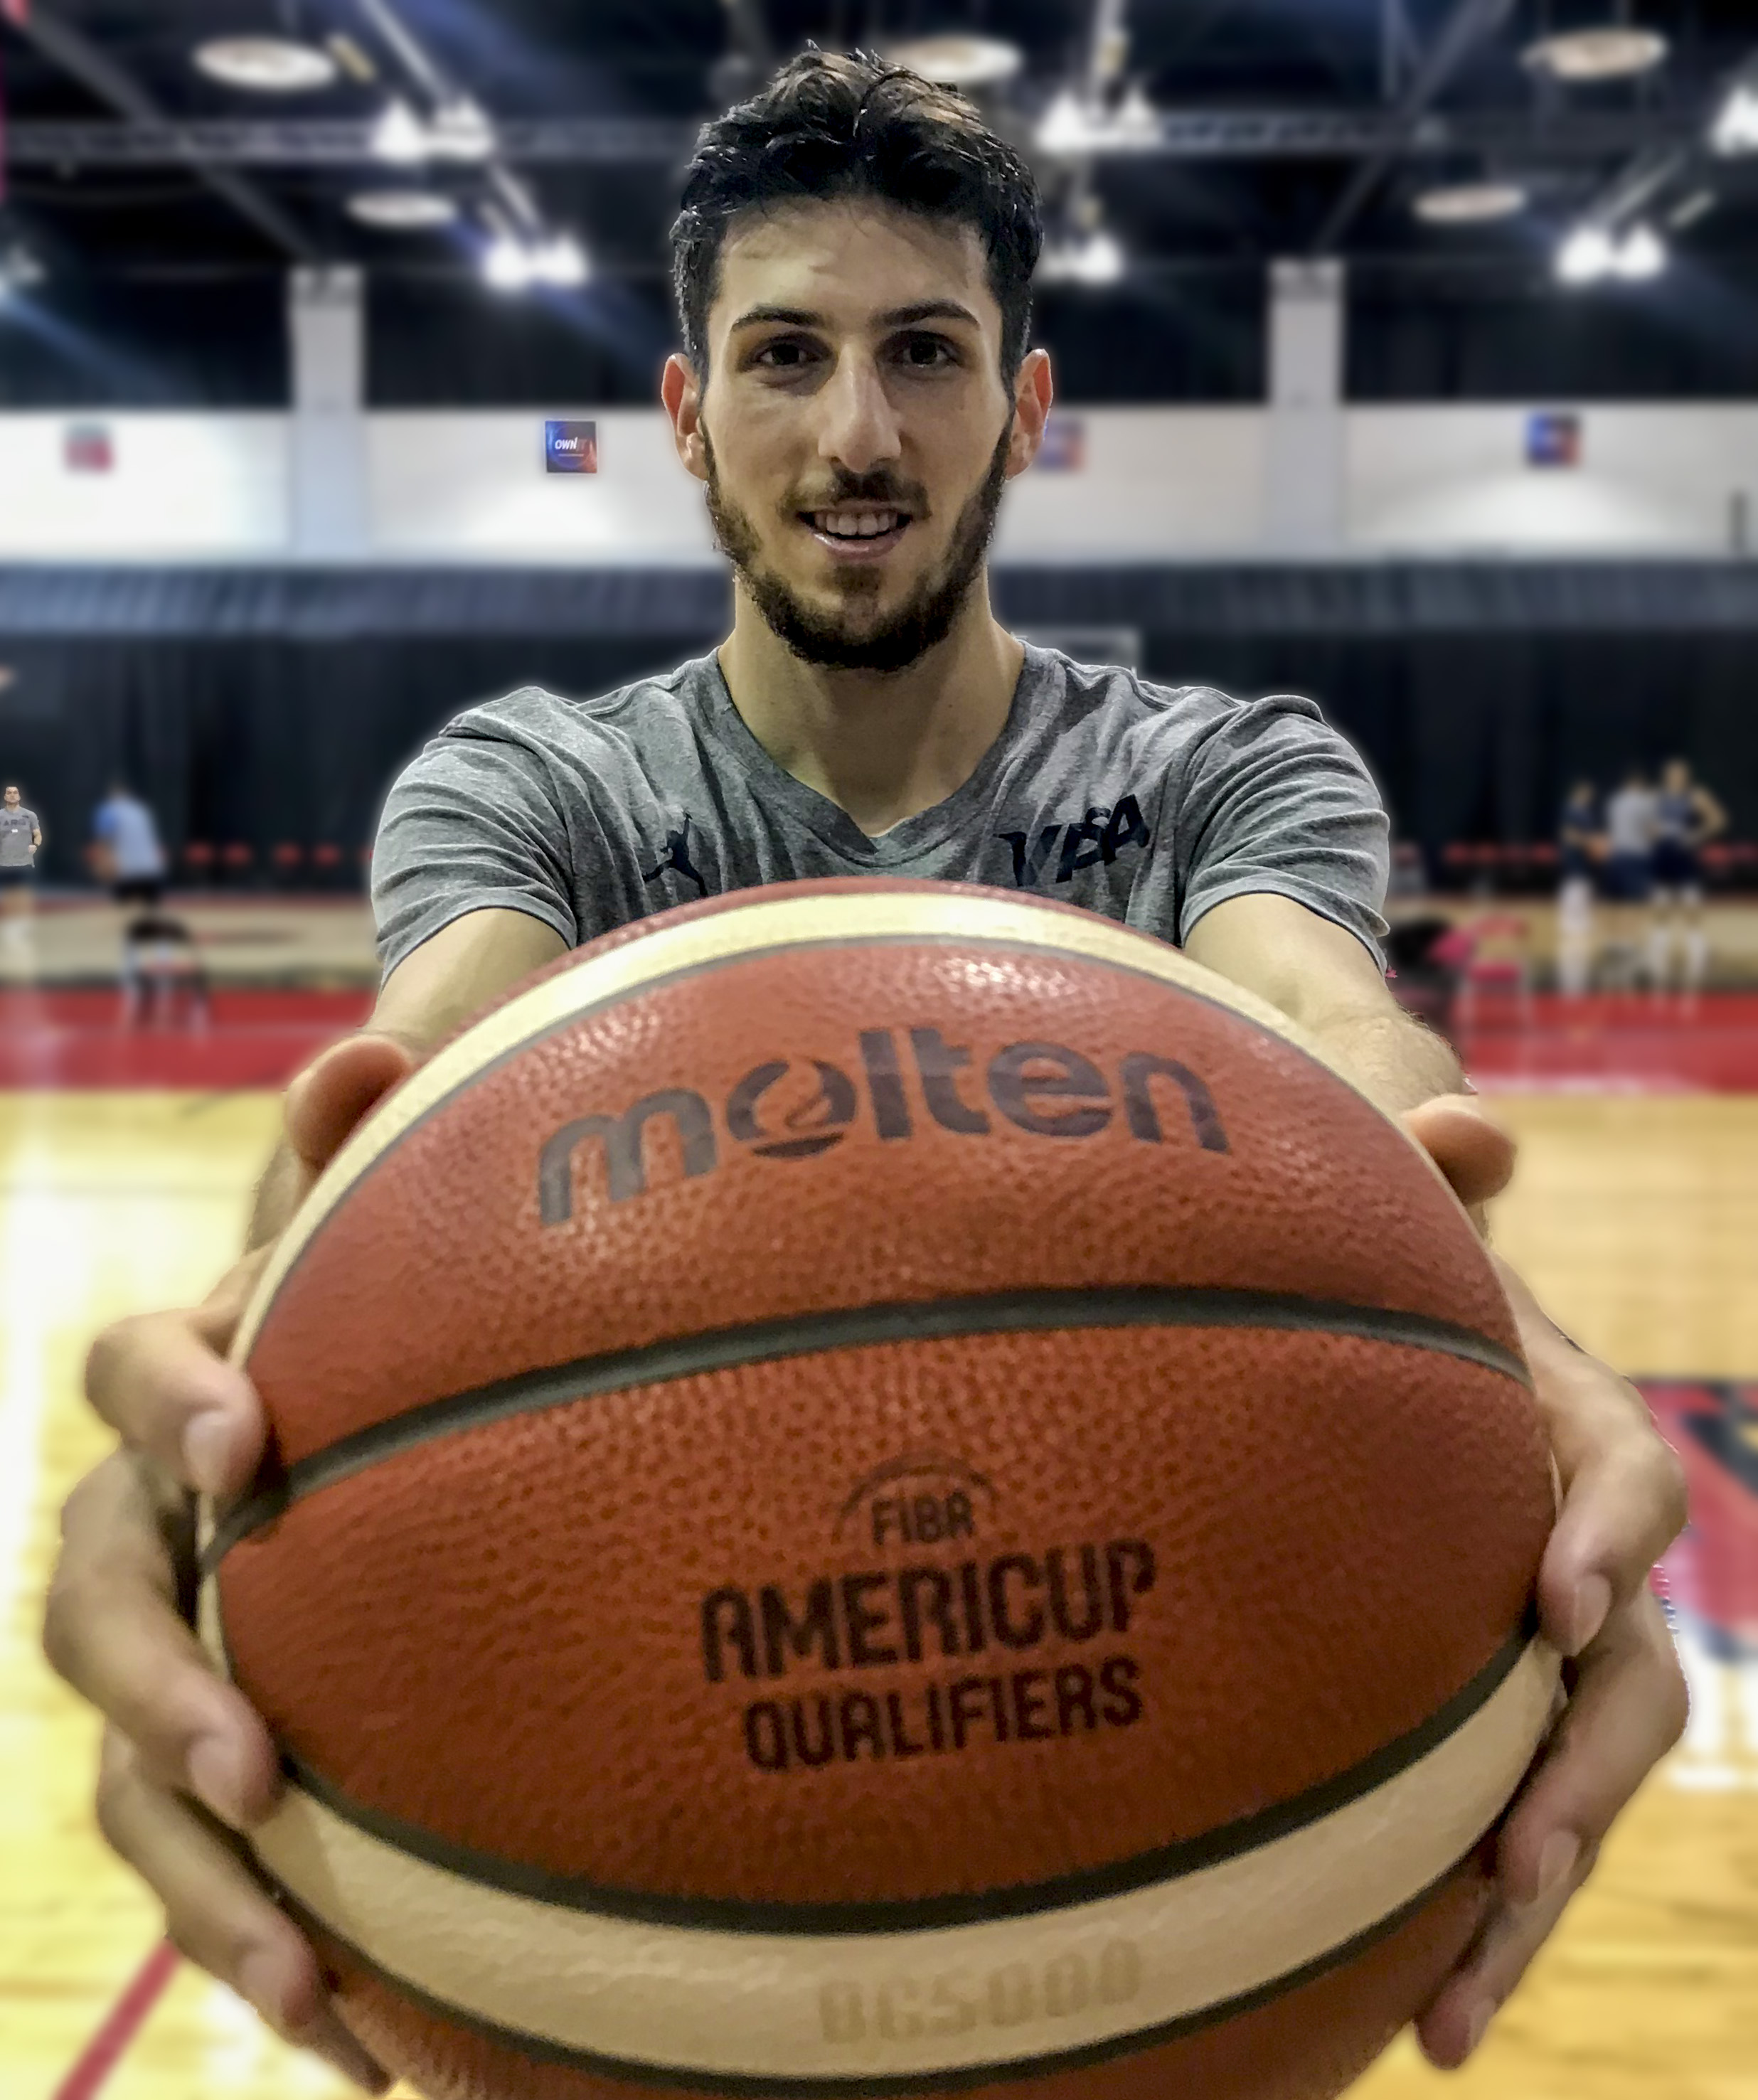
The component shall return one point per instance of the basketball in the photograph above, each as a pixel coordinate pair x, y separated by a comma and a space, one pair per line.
881, 1488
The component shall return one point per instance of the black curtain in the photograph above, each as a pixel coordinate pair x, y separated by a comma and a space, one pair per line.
269, 705
260, 741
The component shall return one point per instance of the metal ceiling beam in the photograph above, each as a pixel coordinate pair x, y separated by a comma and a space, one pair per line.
750, 32
1196, 134
1470, 25
74, 52
512, 203
1676, 165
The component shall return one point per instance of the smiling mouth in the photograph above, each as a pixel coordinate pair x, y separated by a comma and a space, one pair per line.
861, 529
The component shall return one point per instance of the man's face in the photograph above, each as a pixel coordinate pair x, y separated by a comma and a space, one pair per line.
11, 798
855, 433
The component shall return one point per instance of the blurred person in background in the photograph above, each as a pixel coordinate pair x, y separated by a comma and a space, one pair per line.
20, 837
1581, 846
126, 848
1629, 875
1686, 817
1409, 877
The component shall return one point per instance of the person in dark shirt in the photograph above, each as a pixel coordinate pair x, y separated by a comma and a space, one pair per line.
1686, 818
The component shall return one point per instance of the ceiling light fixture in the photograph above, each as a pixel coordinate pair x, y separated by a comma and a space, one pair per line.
1641, 255
1470, 204
1592, 253
512, 265
461, 131
1735, 130
1584, 56
562, 262
506, 264
958, 61
1067, 126
398, 137
265, 65
402, 211
1095, 259
1072, 126
1586, 256
1136, 125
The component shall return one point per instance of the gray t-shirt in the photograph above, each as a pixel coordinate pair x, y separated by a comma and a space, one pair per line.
1147, 804
17, 827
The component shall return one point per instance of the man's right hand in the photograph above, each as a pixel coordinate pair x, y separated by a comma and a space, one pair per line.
186, 1762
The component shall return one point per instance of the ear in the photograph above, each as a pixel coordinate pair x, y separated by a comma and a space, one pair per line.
1033, 393
682, 397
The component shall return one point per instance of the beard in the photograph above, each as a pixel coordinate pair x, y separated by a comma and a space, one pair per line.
842, 641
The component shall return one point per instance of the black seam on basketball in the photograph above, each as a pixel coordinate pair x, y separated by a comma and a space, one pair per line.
858, 1326
1163, 1863
995, 2070
686, 971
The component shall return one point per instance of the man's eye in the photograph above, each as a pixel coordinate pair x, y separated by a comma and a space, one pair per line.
927, 353
786, 356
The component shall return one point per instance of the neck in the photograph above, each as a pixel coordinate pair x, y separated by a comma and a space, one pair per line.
882, 745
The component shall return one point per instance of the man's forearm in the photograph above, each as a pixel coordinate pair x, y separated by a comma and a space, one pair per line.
1391, 1056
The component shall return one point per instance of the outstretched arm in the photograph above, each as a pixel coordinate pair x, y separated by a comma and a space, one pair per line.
186, 1762
1623, 1491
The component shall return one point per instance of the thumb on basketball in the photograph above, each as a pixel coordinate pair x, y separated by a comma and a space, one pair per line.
1475, 1154
331, 1095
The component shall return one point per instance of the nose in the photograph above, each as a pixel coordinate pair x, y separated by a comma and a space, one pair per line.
858, 428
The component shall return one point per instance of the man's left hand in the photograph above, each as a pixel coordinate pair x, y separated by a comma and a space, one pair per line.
1624, 1504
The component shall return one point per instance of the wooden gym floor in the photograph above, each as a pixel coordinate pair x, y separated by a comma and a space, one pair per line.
1636, 1217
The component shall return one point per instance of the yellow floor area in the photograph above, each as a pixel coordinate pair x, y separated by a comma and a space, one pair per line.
1637, 1219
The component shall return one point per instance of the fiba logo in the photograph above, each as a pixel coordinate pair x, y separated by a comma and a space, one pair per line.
919, 1498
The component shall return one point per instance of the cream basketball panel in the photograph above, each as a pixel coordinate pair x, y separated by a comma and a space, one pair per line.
718, 2004
772, 920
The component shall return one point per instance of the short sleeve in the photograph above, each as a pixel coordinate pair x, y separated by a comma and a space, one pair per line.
1275, 799
471, 825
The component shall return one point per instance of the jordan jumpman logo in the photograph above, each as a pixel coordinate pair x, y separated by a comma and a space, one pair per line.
677, 855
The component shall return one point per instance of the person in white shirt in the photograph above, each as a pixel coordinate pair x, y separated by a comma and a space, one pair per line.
1630, 875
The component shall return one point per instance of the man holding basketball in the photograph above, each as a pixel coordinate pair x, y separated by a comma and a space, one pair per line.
853, 268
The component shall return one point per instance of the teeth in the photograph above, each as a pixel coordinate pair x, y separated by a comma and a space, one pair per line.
855, 524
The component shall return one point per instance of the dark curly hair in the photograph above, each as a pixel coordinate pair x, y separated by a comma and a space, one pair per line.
831, 125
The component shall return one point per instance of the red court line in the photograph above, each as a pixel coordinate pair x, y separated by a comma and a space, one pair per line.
121, 2025
70, 1038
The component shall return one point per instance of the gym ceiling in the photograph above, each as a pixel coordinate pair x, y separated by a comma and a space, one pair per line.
505, 173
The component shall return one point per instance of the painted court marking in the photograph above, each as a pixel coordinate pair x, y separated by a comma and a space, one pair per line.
120, 2024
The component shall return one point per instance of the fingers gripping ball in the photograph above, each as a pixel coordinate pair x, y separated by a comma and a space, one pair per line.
881, 1489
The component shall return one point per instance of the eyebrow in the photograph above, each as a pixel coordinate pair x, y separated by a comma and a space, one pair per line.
924, 310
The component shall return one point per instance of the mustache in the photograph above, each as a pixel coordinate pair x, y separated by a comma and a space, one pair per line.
881, 490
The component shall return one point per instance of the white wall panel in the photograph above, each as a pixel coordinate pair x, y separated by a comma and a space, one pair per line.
1651, 481
1152, 485
473, 488
1158, 484
181, 488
